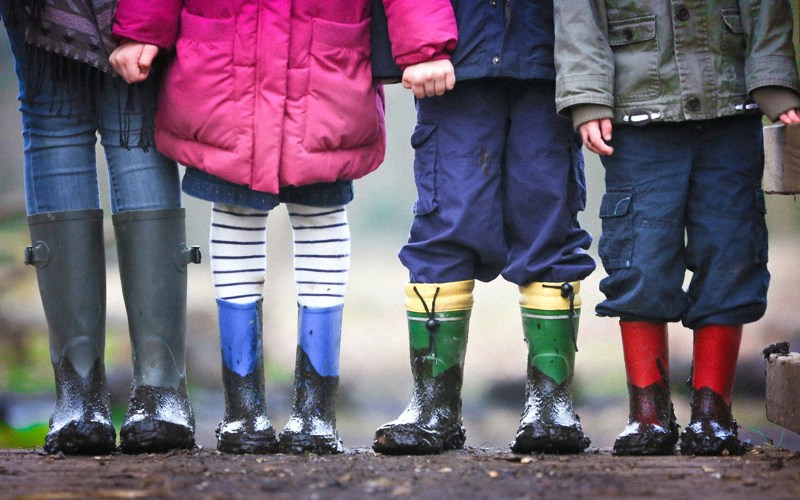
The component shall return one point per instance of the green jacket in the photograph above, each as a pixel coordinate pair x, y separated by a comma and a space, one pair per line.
640, 61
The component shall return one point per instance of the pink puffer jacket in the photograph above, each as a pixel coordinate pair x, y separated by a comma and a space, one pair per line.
268, 93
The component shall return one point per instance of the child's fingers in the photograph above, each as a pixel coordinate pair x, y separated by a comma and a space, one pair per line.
149, 52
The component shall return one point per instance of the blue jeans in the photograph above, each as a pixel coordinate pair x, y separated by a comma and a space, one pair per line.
500, 182
684, 197
59, 128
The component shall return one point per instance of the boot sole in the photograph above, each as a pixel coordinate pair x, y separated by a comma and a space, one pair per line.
81, 438
248, 443
411, 439
544, 438
155, 436
298, 444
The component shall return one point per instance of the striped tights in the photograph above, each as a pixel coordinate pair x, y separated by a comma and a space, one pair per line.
321, 253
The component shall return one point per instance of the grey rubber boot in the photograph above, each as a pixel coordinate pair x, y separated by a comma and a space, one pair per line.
151, 246
67, 251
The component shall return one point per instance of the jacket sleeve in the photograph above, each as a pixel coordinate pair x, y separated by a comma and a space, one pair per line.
421, 31
148, 21
583, 58
770, 52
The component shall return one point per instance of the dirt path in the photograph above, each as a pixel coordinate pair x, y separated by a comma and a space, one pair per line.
359, 473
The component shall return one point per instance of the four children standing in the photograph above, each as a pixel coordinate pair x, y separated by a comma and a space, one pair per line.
273, 102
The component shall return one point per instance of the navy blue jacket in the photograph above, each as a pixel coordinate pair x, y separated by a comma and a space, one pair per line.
496, 38
504, 38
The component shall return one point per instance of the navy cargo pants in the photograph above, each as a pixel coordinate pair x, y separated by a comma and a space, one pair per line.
500, 182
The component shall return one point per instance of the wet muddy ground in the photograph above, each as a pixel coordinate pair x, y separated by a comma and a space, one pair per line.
359, 473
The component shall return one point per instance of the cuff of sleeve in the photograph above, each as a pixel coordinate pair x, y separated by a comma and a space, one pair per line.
583, 113
774, 100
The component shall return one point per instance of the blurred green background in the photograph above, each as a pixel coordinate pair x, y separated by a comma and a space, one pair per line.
375, 376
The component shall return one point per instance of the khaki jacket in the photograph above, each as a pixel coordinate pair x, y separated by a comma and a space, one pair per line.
671, 60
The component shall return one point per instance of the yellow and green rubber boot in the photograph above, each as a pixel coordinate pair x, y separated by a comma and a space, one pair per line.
550, 313
438, 323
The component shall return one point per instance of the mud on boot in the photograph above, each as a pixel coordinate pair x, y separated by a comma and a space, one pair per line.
431, 423
438, 326
158, 419
68, 254
712, 430
550, 315
80, 423
245, 427
652, 427
549, 423
312, 424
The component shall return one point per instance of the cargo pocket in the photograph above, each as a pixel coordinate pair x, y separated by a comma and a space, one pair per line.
341, 104
635, 48
616, 241
423, 140
761, 236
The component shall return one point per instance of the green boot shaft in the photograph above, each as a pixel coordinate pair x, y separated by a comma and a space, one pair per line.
151, 246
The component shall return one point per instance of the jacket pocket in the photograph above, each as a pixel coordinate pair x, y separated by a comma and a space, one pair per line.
197, 98
341, 102
635, 47
423, 140
616, 241
761, 238
732, 51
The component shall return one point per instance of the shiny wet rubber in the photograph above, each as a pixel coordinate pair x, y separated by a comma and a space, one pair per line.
548, 423
652, 427
312, 423
712, 429
158, 419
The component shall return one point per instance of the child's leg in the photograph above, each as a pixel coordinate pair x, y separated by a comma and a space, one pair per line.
322, 265
66, 228
438, 327
238, 264
550, 314
456, 237
727, 249
543, 169
153, 257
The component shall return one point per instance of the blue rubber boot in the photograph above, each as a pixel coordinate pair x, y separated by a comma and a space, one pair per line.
312, 423
245, 427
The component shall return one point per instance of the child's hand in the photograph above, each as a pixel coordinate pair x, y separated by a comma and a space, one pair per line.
595, 135
133, 60
791, 116
430, 78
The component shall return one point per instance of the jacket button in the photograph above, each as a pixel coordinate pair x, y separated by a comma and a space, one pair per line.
496, 60
627, 34
682, 13
493, 3
693, 104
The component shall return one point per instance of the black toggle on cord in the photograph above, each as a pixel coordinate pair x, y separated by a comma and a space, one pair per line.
432, 324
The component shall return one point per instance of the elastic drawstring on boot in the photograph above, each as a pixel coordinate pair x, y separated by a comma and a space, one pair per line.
432, 324
567, 290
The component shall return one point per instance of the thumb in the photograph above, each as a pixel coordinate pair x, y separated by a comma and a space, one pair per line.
149, 52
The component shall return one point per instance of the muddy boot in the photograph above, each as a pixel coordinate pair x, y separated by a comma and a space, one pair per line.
652, 428
712, 429
312, 423
246, 427
67, 251
550, 313
151, 246
438, 324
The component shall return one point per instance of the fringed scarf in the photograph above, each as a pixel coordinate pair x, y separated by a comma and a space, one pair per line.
71, 40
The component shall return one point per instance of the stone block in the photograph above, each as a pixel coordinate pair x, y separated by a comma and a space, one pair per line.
783, 390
